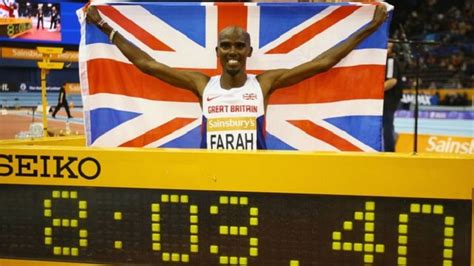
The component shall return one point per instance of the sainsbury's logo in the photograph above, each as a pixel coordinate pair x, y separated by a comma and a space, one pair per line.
450, 145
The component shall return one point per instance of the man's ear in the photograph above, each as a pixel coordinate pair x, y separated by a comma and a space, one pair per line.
250, 52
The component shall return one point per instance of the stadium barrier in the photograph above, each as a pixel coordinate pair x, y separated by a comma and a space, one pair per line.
443, 92
74, 141
31, 99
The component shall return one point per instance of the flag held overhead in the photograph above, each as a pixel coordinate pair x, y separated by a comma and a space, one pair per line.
339, 110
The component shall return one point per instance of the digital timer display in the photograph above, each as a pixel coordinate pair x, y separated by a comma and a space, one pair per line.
162, 227
11, 30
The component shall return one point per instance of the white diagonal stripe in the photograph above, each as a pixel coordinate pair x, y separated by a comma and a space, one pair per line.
176, 134
158, 28
153, 114
363, 57
343, 134
315, 46
140, 105
187, 53
295, 137
325, 110
300, 27
338, 32
278, 115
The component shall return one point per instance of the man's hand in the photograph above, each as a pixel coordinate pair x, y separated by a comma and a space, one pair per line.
380, 14
92, 15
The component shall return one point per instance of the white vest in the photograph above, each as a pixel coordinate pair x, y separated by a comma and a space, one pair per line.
233, 119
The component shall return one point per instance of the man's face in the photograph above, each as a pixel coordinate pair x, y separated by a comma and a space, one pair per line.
233, 49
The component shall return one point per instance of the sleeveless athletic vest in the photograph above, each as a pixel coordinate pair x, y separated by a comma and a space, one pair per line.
233, 119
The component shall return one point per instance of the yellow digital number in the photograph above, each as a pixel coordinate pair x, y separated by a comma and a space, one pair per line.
156, 229
235, 230
367, 247
57, 223
418, 208
10, 30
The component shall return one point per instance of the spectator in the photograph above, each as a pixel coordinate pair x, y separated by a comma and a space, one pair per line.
62, 102
448, 22
392, 96
40, 17
54, 18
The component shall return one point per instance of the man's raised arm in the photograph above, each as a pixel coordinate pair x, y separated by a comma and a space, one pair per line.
280, 78
193, 81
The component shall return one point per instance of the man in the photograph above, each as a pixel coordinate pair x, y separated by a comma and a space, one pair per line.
234, 103
393, 94
40, 17
62, 102
54, 18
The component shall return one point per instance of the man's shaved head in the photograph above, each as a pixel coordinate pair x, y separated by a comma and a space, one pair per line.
232, 49
234, 30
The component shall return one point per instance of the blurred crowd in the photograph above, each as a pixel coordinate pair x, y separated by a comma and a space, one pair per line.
449, 24
455, 99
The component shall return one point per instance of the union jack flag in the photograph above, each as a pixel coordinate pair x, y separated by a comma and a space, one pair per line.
339, 110
4, 11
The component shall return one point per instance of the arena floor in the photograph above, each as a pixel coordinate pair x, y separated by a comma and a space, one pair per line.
445, 127
12, 122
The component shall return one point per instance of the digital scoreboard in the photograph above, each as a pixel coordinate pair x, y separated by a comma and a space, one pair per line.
169, 207
13, 27
208, 228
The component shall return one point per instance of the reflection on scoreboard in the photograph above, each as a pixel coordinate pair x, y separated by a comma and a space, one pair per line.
14, 27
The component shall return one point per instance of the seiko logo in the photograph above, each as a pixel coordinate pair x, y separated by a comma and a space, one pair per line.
249, 96
49, 166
